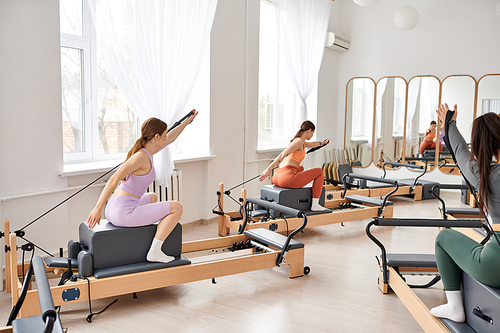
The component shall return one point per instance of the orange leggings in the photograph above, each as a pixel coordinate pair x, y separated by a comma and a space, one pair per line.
429, 145
295, 177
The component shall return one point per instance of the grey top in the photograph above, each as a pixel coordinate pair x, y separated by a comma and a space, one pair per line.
469, 168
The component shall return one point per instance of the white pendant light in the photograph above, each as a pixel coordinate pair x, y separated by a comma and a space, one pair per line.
364, 3
406, 18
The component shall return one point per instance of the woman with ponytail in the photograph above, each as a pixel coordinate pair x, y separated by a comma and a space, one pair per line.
290, 173
456, 252
130, 205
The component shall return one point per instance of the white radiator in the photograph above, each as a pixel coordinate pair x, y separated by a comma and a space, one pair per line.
173, 190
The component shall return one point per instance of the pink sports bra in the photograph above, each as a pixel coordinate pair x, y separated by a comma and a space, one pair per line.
137, 185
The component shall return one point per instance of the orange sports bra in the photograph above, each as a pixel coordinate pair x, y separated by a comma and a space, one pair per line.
298, 155
430, 136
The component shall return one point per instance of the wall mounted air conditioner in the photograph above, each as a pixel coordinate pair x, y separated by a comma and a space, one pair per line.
336, 42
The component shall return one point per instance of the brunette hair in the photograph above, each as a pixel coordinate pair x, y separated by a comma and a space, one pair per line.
485, 143
306, 125
433, 122
149, 129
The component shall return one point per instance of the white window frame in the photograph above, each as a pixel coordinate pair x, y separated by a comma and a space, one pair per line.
82, 43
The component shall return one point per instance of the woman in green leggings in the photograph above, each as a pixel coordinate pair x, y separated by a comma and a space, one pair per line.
456, 252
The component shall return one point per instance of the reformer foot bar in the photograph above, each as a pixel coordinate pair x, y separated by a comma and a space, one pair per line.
394, 266
254, 250
350, 208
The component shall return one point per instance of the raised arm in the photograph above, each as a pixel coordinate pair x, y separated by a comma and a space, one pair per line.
459, 148
173, 134
314, 144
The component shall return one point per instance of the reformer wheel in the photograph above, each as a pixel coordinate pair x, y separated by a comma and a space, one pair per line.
307, 270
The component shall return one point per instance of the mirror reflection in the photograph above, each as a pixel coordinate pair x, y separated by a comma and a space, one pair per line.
421, 127
359, 119
460, 90
488, 95
389, 120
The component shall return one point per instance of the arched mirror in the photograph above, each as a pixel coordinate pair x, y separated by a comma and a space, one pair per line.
360, 94
488, 95
420, 130
460, 90
389, 119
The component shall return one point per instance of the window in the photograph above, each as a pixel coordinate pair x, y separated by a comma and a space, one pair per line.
278, 104
362, 110
399, 107
97, 123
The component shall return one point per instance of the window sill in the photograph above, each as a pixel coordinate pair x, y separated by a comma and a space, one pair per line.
79, 169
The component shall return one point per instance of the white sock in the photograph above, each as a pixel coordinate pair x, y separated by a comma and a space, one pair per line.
453, 310
315, 204
156, 254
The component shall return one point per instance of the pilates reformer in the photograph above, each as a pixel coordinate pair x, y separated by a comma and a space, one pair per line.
103, 264
48, 321
394, 266
481, 302
347, 208
418, 188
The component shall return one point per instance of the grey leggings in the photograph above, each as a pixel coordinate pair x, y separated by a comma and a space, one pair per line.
456, 252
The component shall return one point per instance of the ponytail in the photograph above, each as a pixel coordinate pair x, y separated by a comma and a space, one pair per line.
485, 143
306, 125
149, 129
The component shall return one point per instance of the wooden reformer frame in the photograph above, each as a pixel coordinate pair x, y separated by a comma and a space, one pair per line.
142, 281
227, 222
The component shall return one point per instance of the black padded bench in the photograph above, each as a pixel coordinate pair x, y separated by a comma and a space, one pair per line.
269, 238
108, 250
361, 199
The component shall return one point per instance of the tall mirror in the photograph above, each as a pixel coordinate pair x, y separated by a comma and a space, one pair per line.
488, 94
460, 90
421, 127
389, 119
359, 119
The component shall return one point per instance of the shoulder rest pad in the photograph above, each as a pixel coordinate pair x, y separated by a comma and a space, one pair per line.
270, 238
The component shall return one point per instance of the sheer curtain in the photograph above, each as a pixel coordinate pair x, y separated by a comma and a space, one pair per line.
154, 49
302, 27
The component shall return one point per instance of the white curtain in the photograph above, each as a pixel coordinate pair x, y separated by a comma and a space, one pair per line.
154, 49
302, 28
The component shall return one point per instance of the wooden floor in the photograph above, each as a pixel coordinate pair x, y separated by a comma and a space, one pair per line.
339, 295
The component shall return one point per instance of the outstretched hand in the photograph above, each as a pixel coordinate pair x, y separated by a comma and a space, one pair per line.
191, 117
443, 109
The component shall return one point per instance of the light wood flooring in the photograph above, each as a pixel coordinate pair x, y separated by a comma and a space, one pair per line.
339, 295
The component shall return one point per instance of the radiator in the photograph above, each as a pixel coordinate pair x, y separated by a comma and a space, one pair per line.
173, 190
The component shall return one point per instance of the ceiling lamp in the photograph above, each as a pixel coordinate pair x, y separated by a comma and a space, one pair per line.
364, 3
406, 18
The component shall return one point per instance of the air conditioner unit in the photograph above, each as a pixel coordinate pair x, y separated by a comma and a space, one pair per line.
336, 42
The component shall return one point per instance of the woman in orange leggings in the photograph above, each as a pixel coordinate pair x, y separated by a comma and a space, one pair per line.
290, 173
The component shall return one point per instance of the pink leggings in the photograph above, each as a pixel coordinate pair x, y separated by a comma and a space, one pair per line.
295, 177
130, 211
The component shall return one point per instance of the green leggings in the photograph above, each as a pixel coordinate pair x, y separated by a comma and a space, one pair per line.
456, 252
